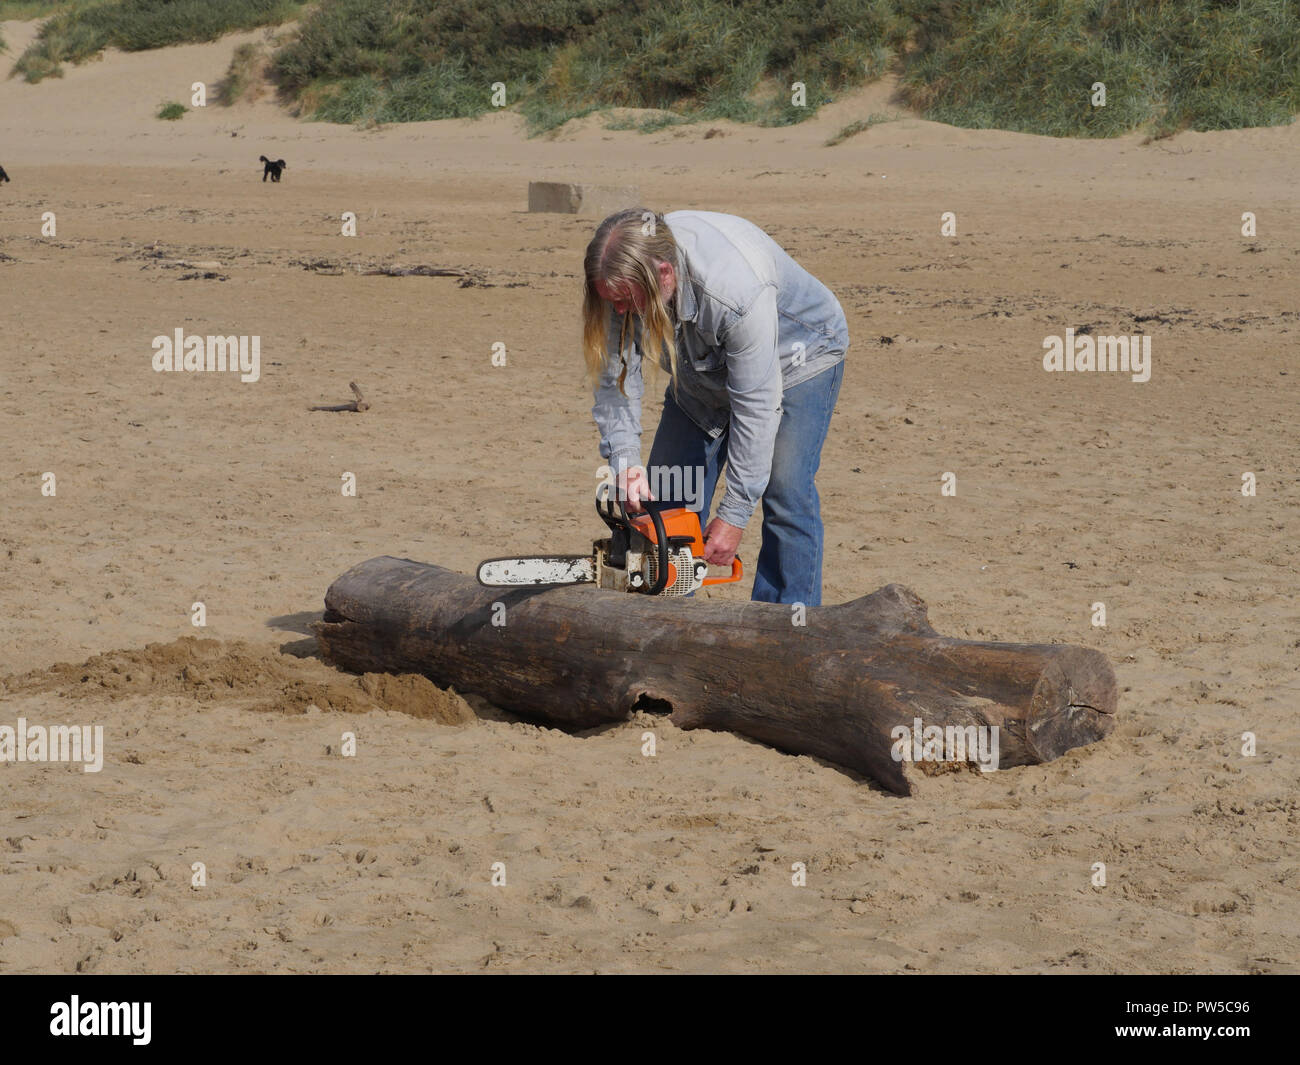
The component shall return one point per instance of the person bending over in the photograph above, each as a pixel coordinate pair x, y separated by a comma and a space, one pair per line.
754, 346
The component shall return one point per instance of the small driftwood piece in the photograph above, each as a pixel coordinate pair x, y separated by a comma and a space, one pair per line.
357, 405
419, 271
839, 686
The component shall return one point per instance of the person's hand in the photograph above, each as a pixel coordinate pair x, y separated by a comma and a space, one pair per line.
634, 486
720, 542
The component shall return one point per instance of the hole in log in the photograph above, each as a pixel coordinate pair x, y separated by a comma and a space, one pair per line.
651, 705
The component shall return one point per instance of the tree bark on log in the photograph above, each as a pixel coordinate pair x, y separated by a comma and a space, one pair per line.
836, 687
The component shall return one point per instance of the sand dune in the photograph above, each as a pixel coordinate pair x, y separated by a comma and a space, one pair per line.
1073, 489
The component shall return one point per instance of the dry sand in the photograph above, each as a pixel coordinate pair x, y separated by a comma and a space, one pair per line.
225, 749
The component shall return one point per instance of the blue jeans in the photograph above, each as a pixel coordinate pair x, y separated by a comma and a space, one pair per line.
789, 566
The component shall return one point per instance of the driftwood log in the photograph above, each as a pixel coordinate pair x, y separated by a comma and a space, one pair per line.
836, 687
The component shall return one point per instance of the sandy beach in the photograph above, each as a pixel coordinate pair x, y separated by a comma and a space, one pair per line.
222, 744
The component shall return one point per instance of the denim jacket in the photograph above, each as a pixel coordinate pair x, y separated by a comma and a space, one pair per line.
750, 323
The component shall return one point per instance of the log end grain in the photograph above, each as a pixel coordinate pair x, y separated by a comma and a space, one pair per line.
1073, 703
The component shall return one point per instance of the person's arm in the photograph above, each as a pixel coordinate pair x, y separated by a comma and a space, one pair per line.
754, 387
618, 416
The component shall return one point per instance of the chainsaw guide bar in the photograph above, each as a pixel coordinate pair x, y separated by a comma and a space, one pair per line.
544, 569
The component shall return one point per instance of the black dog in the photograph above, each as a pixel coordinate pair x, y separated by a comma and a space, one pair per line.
274, 167
3, 176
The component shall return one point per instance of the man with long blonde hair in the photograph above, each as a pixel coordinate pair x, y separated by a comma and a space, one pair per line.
754, 347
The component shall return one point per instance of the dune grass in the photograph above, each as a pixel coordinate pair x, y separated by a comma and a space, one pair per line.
1026, 65
244, 76
405, 60
82, 29
26, 10
1030, 65
876, 118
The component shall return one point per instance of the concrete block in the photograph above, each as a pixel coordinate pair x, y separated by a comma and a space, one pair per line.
564, 197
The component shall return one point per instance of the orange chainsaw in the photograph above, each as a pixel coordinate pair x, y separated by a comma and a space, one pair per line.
658, 551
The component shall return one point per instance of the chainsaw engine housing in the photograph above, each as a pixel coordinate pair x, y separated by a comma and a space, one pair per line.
639, 571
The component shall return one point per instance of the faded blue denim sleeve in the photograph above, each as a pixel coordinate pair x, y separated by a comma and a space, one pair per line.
754, 388
618, 416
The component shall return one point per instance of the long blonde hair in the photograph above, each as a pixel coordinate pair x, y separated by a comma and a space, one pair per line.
627, 248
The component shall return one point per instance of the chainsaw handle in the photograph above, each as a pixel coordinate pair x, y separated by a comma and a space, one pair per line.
737, 571
661, 547
611, 510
